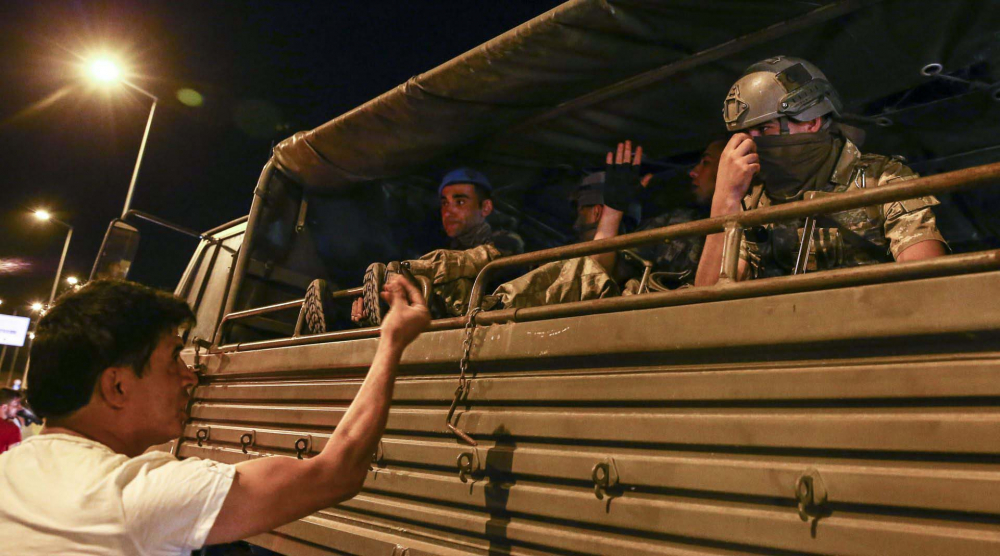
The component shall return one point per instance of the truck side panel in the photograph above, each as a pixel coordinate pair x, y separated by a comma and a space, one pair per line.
849, 421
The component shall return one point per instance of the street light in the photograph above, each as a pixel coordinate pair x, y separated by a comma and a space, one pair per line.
106, 71
46, 216
72, 280
37, 307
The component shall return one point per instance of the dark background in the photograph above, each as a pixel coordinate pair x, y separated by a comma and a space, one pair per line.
265, 71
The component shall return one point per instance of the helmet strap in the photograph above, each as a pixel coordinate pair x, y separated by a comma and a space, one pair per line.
783, 125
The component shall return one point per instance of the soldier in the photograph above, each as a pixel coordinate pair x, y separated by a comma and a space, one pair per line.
675, 261
785, 115
465, 196
599, 215
601, 207
589, 204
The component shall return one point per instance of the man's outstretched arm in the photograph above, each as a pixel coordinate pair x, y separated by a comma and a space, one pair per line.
270, 492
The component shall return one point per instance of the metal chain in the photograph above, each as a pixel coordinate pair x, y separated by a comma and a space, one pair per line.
463, 383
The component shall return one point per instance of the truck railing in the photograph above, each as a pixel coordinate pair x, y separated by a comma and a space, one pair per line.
727, 288
734, 224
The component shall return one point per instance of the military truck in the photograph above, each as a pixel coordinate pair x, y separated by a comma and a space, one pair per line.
851, 411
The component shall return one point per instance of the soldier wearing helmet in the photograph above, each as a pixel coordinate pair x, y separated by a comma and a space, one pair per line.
787, 138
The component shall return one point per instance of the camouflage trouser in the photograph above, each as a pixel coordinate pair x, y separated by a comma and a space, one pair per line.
558, 282
452, 274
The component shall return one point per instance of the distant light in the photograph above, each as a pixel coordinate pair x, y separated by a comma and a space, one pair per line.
13, 266
105, 70
16, 385
1, 302
42, 214
31, 335
72, 280
190, 97
37, 306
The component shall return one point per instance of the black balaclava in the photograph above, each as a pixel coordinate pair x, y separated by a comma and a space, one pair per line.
792, 164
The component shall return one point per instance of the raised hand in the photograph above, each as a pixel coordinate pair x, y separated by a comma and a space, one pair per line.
622, 182
408, 315
737, 166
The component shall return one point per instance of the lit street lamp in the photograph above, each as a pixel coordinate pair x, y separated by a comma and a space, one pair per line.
37, 307
45, 216
106, 71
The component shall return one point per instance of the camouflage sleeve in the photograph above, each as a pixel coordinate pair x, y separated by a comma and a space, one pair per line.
911, 221
750, 253
672, 255
905, 228
447, 265
507, 242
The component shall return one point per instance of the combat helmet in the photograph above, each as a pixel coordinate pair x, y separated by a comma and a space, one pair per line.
779, 87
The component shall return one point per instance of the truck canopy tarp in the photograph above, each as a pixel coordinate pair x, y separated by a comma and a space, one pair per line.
561, 88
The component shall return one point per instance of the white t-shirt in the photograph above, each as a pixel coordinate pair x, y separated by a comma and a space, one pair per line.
62, 494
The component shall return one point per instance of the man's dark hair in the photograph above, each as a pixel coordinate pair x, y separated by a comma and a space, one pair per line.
107, 323
8, 395
482, 193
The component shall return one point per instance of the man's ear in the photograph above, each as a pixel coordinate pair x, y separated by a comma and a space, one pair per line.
486, 207
114, 385
598, 212
814, 125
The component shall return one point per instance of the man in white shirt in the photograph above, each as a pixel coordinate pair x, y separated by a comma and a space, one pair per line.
107, 376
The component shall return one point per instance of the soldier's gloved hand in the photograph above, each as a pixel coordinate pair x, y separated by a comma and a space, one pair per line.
622, 182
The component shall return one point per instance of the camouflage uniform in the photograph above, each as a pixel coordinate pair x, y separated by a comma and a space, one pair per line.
679, 257
885, 229
453, 271
554, 283
674, 255
584, 278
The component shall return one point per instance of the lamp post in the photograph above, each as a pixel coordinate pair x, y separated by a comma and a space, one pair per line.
36, 307
107, 71
45, 216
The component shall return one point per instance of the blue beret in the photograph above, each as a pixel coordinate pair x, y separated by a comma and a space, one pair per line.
465, 175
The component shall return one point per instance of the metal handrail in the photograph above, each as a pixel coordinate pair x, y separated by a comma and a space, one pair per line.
733, 224
919, 187
949, 265
283, 306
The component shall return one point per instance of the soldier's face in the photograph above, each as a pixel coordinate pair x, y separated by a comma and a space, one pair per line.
587, 217
774, 128
703, 176
461, 209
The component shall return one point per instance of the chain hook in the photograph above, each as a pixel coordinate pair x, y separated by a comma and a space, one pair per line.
463, 383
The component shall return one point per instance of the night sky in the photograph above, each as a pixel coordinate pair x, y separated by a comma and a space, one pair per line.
264, 70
